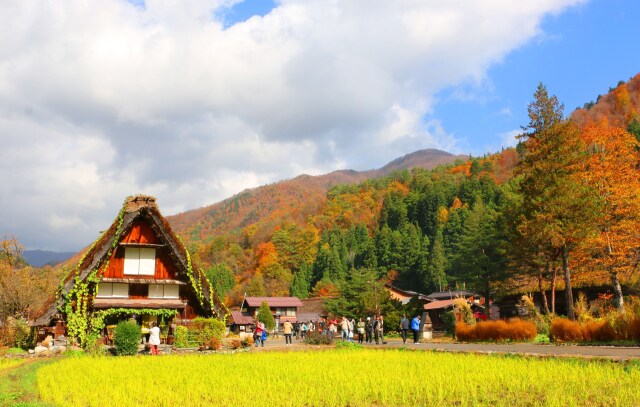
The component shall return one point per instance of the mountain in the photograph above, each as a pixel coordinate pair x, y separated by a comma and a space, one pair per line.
292, 200
40, 258
620, 107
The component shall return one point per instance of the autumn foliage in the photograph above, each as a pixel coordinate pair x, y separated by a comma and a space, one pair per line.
513, 330
617, 328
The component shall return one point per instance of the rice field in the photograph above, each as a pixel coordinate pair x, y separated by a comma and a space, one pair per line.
360, 377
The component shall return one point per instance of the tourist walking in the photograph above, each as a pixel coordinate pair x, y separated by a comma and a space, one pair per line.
287, 329
333, 329
154, 338
296, 330
257, 334
344, 325
369, 328
378, 330
415, 327
360, 327
404, 328
352, 325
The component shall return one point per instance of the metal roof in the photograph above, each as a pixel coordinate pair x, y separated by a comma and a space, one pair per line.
274, 301
241, 318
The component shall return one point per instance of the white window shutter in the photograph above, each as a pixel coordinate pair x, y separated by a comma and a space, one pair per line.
147, 261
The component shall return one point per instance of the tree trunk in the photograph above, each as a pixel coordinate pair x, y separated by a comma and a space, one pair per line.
553, 289
545, 304
618, 300
567, 283
487, 303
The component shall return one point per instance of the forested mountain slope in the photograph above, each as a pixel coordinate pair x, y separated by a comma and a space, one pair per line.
294, 200
424, 229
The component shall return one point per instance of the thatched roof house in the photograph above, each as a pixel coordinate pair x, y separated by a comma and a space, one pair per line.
138, 265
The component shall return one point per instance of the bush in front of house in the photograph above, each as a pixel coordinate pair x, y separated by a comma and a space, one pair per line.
514, 330
205, 330
181, 337
126, 338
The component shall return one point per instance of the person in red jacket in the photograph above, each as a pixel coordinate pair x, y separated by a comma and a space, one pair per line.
257, 333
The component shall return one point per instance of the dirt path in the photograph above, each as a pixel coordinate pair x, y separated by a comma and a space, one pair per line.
607, 352
18, 385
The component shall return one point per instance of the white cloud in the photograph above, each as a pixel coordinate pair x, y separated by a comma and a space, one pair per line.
99, 100
509, 138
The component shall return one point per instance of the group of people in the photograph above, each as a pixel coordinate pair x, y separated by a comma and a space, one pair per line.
365, 330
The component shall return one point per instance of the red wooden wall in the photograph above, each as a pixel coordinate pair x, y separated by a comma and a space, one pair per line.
141, 232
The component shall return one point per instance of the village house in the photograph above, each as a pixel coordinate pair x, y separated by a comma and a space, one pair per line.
404, 296
282, 309
137, 269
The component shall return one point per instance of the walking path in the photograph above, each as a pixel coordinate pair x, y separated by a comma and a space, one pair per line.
607, 352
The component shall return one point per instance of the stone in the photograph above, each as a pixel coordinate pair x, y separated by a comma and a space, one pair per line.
58, 349
31, 351
40, 349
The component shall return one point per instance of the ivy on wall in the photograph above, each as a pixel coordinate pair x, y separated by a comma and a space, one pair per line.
80, 322
83, 323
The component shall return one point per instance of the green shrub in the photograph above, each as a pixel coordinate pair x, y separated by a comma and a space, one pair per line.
264, 316
126, 338
181, 337
24, 335
449, 321
315, 338
204, 330
93, 345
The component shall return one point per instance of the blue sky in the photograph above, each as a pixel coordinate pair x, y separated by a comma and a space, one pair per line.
584, 51
194, 102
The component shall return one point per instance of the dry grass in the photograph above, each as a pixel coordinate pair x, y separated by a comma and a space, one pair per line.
514, 330
613, 328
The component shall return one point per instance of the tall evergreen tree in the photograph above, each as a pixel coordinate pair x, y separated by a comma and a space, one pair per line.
557, 208
437, 264
301, 284
480, 261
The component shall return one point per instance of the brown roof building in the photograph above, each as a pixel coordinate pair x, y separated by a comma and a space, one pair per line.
138, 265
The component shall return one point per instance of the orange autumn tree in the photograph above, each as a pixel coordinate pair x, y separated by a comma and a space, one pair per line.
610, 168
277, 278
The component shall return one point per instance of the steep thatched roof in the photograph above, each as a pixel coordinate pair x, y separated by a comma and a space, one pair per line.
135, 207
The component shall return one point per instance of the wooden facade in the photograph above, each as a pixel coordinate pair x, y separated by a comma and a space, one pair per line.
141, 265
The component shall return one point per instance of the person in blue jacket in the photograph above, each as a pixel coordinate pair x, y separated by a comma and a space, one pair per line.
415, 327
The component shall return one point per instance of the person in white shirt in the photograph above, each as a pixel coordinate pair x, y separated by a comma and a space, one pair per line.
154, 338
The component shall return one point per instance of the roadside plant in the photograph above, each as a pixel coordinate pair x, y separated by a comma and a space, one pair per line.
315, 338
449, 321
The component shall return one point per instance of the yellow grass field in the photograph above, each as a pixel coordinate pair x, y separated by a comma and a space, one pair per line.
360, 377
10, 363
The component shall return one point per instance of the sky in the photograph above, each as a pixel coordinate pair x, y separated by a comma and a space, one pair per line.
192, 102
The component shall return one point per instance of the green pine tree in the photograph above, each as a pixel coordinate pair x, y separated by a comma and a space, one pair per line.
265, 316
